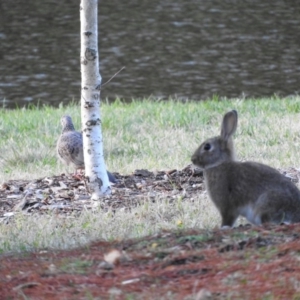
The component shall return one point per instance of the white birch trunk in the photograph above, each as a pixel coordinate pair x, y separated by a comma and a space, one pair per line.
97, 181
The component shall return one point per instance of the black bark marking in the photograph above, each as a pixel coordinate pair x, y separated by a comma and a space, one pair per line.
90, 54
84, 61
100, 182
93, 122
88, 104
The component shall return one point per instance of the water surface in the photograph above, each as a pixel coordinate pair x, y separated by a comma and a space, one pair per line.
188, 49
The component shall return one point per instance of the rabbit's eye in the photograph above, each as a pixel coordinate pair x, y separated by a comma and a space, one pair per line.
207, 147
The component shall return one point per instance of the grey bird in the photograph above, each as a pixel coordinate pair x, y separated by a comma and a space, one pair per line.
70, 146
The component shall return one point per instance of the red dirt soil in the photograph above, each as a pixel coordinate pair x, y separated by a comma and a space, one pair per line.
242, 263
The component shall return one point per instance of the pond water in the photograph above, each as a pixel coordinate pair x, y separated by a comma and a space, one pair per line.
188, 49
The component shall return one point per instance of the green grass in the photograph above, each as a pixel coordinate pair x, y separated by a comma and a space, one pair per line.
151, 134
148, 134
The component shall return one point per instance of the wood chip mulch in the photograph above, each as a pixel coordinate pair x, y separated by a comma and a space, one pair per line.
67, 195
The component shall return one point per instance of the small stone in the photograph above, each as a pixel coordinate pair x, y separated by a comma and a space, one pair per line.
106, 265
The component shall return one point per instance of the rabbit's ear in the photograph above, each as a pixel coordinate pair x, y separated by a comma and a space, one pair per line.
229, 124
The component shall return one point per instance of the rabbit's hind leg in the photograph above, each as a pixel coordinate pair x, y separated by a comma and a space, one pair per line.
272, 207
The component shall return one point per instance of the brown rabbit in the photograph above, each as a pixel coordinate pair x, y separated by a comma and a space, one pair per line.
256, 191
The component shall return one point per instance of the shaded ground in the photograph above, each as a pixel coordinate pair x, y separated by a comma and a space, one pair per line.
66, 195
242, 263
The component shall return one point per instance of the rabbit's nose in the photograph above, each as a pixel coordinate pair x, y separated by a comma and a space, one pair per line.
194, 159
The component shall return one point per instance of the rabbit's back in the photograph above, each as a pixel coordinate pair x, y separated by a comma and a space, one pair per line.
249, 186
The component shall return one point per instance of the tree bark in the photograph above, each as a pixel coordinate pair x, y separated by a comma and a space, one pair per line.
97, 181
